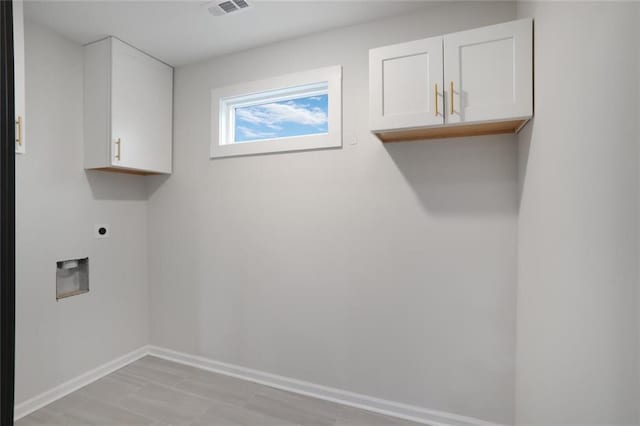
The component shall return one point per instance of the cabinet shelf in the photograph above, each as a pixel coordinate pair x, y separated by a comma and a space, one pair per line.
470, 83
479, 129
126, 171
128, 101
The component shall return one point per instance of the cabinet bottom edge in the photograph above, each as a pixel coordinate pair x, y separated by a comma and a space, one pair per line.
457, 131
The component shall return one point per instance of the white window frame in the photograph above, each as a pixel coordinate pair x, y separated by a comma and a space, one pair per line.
291, 86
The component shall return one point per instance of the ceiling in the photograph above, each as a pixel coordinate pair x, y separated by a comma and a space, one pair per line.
181, 32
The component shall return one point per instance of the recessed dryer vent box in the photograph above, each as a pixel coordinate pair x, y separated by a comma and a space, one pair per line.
72, 277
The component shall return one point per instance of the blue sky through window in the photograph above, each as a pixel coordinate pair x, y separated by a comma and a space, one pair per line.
294, 117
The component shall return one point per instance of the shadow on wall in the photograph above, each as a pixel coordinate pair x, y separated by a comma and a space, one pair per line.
117, 186
154, 182
461, 176
524, 149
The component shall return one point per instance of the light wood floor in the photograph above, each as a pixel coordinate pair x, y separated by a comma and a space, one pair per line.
152, 391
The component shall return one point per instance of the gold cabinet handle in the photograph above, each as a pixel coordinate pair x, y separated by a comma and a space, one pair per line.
118, 142
451, 96
436, 98
19, 136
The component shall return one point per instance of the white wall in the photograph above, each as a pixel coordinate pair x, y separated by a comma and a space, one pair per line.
385, 270
637, 17
57, 204
578, 226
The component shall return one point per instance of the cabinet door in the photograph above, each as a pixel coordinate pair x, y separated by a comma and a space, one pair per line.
19, 87
402, 85
488, 73
141, 110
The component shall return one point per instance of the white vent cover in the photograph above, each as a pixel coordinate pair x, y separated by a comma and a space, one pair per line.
224, 7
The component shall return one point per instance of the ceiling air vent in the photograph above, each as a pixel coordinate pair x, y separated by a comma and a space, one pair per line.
227, 6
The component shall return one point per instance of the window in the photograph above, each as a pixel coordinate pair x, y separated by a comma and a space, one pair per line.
297, 116
299, 111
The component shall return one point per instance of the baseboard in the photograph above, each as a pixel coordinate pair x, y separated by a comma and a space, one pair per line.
389, 408
76, 383
382, 406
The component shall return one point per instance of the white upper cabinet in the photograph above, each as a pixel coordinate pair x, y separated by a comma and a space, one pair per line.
488, 72
405, 85
474, 82
128, 109
19, 76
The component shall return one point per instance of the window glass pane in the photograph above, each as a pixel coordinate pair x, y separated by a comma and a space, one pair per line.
293, 117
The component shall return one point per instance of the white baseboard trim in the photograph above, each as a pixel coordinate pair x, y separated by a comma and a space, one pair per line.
389, 408
378, 405
76, 383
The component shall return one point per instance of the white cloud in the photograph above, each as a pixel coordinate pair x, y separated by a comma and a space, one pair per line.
253, 134
272, 114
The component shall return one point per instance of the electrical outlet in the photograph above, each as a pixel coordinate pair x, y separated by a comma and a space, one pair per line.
102, 231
